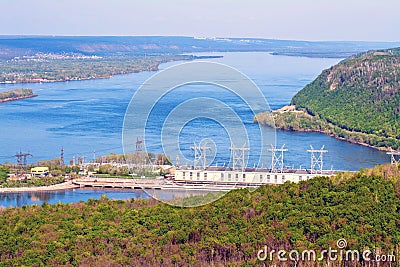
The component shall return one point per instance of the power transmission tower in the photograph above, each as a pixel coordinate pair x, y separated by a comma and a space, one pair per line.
139, 145
81, 160
317, 159
200, 155
277, 158
21, 158
393, 154
238, 157
25, 156
140, 159
62, 157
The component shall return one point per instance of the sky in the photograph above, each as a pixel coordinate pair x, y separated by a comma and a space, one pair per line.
358, 20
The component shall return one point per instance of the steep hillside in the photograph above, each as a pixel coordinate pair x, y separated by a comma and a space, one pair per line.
356, 100
359, 94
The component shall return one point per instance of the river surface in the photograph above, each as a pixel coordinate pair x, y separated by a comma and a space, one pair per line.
84, 194
86, 117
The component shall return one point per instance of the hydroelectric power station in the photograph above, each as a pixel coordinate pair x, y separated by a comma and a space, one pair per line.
238, 175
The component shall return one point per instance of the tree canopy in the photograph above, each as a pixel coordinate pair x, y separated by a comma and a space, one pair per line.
363, 208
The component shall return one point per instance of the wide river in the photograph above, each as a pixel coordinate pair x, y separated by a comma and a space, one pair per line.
87, 116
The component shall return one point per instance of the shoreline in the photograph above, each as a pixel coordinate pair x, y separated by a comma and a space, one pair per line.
334, 136
17, 98
56, 81
153, 68
62, 186
288, 127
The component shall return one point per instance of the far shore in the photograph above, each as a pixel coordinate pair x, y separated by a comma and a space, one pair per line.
154, 67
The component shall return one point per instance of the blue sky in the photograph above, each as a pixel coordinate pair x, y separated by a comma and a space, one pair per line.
368, 20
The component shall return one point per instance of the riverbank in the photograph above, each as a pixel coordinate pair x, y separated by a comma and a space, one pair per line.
64, 70
289, 118
75, 69
16, 94
17, 98
62, 186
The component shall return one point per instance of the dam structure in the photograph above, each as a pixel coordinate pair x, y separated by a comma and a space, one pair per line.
202, 177
238, 175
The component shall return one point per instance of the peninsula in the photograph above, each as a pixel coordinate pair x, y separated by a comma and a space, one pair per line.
49, 67
356, 100
16, 94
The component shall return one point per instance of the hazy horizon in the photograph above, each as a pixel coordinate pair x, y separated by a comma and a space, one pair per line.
342, 20
188, 36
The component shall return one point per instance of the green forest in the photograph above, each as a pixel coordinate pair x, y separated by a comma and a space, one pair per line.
361, 207
360, 94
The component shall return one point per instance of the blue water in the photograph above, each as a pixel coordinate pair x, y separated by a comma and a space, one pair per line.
87, 116
66, 196
84, 194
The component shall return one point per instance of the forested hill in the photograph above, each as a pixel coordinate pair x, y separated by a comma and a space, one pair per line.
362, 208
360, 94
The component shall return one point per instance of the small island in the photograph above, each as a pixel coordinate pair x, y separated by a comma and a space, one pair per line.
16, 94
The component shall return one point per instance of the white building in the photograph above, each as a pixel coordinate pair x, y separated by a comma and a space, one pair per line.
249, 177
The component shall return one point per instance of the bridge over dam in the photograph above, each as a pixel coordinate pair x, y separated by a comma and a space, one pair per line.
120, 183
149, 184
